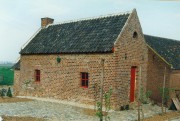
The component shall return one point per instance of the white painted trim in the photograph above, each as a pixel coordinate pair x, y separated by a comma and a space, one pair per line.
124, 26
17, 59
27, 42
90, 18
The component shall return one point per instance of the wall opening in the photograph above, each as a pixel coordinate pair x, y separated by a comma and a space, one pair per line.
135, 35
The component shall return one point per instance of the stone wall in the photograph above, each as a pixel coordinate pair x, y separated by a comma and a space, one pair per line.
63, 80
175, 79
131, 52
175, 83
156, 72
16, 82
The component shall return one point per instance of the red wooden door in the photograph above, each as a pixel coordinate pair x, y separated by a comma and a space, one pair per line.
132, 84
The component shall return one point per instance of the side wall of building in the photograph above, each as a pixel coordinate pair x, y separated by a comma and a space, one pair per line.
175, 79
63, 80
175, 83
131, 52
156, 73
16, 82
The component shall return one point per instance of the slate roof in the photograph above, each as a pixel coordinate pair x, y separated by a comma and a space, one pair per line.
94, 36
16, 66
86, 36
169, 49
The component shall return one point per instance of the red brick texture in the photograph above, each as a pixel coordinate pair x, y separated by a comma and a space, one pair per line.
156, 72
130, 52
175, 79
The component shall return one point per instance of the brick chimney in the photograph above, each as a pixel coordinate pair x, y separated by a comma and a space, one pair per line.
46, 21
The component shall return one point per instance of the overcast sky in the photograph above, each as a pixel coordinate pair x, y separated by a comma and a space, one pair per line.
20, 19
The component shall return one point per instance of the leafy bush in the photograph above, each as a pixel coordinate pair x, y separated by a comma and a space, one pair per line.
3, 92
166, 94
144, 96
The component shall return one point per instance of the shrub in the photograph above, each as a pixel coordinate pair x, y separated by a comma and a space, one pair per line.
144, 96
9, 93
3, 93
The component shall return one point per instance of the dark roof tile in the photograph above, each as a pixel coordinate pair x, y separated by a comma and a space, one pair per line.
16, 66
94, 36
86, 36
169, 49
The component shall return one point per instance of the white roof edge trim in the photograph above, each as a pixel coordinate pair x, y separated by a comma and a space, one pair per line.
124, 26
90, 18
27, 42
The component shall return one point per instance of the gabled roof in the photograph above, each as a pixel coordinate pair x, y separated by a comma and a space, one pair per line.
169, 49
96, 35
85, 36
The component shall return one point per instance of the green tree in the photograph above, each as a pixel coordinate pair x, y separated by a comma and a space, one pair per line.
99, 113
107, 98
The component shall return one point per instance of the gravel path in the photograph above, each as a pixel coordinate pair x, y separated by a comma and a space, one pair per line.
47, 110
52, 111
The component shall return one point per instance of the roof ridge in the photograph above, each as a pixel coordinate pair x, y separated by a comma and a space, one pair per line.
90, 18
162, 37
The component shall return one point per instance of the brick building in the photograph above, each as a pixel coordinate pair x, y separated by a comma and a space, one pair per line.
68, 61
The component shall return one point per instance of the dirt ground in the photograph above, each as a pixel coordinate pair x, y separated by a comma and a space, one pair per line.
14, 118
13, 99
167, 116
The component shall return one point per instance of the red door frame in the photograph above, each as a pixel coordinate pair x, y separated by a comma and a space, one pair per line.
132, 83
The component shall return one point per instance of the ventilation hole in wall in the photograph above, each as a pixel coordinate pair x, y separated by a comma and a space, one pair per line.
125, 56
135, 35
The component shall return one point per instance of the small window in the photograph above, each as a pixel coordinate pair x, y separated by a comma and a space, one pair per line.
135, 35
37, 75
84, 79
